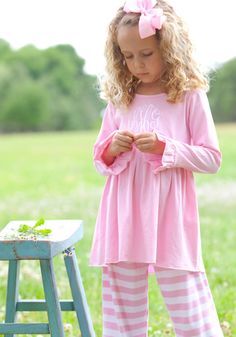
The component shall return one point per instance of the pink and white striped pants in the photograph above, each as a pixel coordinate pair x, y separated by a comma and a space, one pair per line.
186, 294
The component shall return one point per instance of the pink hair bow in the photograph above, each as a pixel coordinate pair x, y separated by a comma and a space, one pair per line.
151, 18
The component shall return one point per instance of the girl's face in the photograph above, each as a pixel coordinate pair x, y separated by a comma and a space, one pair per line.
142, 56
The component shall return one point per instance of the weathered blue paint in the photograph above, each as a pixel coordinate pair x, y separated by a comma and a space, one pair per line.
52, 300
78, 294
12, 292
41, 305
65, 233
17, 328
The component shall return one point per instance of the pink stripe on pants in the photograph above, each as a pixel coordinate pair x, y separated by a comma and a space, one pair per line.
186, 294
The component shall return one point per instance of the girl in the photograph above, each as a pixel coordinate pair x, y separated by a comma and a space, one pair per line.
157, 130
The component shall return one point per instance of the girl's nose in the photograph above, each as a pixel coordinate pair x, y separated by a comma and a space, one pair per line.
138, 63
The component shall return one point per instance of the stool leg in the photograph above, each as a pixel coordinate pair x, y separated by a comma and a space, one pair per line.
12, 292
78, 294
51, 297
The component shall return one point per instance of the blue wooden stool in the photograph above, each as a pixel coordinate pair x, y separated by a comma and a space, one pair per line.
65, 233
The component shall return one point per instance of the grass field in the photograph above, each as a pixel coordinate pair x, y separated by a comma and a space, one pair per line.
52, 176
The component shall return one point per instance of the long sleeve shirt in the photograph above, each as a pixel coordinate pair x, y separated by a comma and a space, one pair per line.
148, 211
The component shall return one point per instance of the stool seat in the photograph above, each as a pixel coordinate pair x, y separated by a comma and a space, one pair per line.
65, 233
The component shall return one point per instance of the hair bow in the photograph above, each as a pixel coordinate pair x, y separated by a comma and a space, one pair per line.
151, 18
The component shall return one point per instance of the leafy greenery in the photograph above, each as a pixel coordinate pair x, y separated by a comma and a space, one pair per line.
53, 174
43, 90
27, 232
46, 90
33, 231
222, 94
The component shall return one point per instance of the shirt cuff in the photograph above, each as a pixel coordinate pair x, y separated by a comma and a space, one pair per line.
167, 159
120, 163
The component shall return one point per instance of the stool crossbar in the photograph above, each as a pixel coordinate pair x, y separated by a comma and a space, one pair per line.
65, 233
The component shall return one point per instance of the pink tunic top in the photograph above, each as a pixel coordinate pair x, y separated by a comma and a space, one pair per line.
148, 211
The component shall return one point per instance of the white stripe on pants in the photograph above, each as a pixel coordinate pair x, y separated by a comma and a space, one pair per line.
186, 294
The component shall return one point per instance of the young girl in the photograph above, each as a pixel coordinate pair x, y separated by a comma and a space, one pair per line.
157, 130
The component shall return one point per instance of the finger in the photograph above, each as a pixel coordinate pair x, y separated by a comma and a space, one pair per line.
143, 141
125, 149
122, 141
124, 138
144, 148
127, 133
141, 135
124, 144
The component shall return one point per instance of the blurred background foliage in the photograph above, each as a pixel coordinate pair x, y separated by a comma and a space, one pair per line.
222, 95
48, 90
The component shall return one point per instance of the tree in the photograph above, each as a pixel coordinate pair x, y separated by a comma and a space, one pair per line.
222, 94
26, 108
46, 90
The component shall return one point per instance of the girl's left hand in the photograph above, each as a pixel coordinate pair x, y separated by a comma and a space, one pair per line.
149, 142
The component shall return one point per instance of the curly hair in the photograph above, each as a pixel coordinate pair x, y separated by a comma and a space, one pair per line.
181, 70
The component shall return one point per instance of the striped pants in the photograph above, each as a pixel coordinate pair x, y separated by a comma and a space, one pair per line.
186, 294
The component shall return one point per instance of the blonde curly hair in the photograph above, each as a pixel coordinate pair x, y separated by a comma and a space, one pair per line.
181, 70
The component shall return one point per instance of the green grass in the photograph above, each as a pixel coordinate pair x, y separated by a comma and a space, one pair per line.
52, 176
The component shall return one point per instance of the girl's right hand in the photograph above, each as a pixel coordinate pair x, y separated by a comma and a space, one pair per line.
121, 142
